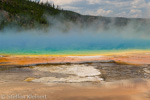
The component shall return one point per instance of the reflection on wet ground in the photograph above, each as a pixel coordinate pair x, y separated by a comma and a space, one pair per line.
84, 81
114, 71
96, 71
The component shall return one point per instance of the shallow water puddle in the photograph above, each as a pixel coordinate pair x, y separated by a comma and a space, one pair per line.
76, 73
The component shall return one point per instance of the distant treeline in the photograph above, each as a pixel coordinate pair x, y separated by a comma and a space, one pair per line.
26, 12
31, 14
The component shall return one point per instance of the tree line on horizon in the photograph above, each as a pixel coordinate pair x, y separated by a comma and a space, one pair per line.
26, 12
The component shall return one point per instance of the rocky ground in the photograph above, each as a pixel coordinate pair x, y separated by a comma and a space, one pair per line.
85, 78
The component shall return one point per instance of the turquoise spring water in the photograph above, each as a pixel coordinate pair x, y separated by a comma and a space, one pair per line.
72, 42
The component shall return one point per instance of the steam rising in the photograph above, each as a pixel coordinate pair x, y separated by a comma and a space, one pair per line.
66, 35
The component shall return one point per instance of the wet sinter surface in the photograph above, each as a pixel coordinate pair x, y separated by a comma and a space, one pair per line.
74, 73
88, 81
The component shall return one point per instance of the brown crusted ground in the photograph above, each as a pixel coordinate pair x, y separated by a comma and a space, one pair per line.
122, 91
